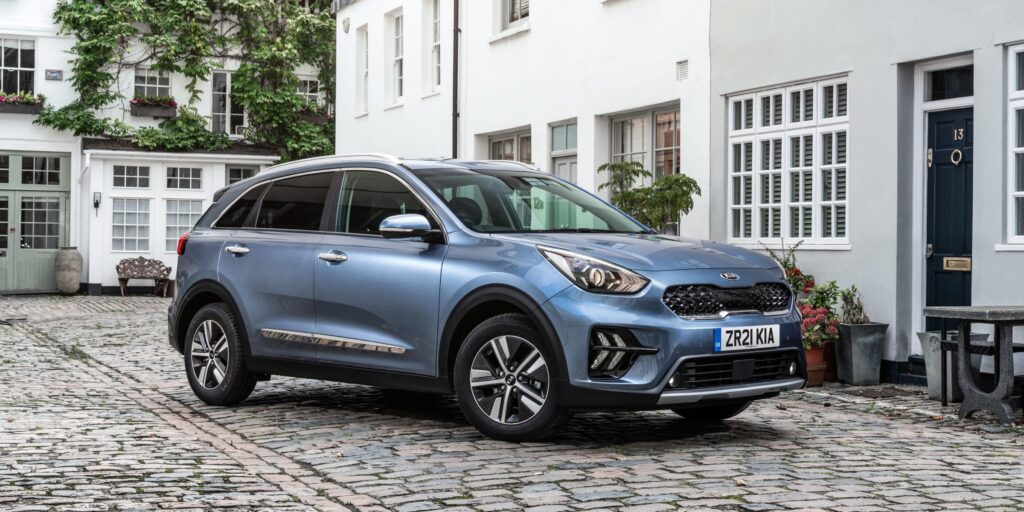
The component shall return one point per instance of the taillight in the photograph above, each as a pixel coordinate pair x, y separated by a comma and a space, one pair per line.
181, 243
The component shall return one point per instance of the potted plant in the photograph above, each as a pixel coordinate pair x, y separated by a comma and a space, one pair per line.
820, 329
659, 205
859, 351
159, 107
800, 282
316, 114
21, 103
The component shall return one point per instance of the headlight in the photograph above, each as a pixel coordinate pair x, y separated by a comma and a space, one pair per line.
592, 274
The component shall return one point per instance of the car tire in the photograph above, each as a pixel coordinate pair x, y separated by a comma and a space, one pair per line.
215, 357
506, 380
712, 412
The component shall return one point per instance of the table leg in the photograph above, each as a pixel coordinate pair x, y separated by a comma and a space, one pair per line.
998, 401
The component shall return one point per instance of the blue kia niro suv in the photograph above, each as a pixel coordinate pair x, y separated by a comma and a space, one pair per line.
521, 293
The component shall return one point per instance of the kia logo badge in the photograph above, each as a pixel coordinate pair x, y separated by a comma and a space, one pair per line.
729, 276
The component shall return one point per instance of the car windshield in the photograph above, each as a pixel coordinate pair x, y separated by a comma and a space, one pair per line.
515, 202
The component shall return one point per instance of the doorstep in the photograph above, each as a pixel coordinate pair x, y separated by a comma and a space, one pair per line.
898, 401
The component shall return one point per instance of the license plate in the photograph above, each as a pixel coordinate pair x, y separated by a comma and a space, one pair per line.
728, 339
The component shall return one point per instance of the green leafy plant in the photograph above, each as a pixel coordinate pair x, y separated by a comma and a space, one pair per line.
853, 307
824, 296
192, 38
622, 178
799, 281
22, 98
658, 205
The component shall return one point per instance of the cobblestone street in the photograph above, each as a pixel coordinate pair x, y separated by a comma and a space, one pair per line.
96, 414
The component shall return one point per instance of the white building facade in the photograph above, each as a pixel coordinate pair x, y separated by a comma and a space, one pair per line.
554, 84
109, 200
890, 149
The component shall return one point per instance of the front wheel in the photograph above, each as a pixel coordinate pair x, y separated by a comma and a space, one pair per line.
712, 412
505, 382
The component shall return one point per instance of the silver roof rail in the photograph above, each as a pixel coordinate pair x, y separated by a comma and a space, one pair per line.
514, 162
391, 159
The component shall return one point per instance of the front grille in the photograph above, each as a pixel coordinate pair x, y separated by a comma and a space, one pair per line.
732, 369
702, 300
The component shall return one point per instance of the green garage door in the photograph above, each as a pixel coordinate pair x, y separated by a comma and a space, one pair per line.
33, 220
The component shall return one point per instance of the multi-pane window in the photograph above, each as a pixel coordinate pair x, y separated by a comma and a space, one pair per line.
363, 69
189, 178
563, 138
40, 170
309, 90
517, 146
633, 139
228, 114
131, 176
181, 215
787, 163
17, 65
40, 223
435, 44
130, 228
238, 173
150, 83
397, 57
1015, 180
515, 11
5, 168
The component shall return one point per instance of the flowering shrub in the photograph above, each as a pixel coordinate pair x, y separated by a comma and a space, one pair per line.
22, 98
818, 326
798, 281
155, 101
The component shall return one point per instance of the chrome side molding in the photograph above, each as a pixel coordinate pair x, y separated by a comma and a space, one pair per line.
331, 341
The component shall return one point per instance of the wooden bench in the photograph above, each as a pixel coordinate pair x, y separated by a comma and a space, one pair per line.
144, 268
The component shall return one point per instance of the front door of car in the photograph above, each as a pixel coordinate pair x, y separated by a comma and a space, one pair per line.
268, 266
377, 298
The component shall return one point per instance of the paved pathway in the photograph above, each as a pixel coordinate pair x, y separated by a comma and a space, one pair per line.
95, 414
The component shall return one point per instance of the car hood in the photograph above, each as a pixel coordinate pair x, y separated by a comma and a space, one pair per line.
649, 252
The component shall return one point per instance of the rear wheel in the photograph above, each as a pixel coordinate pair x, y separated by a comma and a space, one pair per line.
214, 357
505, 380
712, 412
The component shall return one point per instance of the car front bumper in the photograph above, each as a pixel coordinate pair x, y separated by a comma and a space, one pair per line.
576, 313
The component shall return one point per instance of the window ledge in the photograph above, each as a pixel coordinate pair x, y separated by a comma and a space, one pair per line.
431, 94
400, 104
512, 30
806, 246
1009, 248
361, 114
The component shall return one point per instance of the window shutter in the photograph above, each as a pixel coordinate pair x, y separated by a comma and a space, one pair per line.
841, 99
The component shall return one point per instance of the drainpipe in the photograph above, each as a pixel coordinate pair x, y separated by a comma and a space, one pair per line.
456, 32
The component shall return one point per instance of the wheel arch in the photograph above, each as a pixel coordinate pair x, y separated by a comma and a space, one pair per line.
487, 302
201, 294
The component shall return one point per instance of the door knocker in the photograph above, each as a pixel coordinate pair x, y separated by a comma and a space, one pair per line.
956, 157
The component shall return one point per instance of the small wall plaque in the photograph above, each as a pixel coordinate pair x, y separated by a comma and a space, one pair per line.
55, 74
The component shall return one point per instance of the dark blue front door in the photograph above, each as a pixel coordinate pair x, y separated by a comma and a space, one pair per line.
950, 185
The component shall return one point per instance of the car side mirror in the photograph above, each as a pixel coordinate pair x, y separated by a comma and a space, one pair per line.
410, 225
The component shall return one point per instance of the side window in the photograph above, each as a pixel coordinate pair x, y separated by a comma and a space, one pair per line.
236, 215
370, 197
295, 203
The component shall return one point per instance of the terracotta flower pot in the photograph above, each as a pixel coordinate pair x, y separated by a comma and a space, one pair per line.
815, 365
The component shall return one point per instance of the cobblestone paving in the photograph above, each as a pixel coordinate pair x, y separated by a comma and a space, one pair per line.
95, 414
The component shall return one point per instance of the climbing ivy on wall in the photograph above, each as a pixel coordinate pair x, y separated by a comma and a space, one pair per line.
191, 38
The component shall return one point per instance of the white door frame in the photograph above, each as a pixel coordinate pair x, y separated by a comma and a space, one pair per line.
919, 233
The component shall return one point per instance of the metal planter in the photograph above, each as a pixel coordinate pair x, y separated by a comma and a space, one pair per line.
859, 353
20, 108
154, 112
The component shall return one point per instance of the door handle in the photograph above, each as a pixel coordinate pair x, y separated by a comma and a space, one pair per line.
332, 257
929, 250
237, 250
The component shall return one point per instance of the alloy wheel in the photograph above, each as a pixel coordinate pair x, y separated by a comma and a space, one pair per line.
210, 354
509, 379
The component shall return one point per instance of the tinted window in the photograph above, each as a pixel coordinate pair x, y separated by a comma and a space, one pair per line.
370, 197
295, 203
236, 215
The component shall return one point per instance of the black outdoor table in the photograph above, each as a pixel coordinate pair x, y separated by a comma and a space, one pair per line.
1000, 401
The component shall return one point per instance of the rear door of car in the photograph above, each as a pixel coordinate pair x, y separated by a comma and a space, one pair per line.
268, 264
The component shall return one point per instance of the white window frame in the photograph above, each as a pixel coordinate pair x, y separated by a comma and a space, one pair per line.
649, 122
229, 167
781, 212
229, 77
396, 39
138, 176
517, 139
19, 69
362, 70
514, 9
302, 89
163, 83
434, 72
138, 225
175, 182
567, 151
171, 243
1015, 103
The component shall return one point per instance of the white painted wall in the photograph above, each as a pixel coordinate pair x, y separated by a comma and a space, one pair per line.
579, 59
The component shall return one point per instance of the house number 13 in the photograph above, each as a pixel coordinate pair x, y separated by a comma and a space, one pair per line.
958, 134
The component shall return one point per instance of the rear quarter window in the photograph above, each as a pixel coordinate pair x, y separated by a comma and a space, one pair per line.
236, 215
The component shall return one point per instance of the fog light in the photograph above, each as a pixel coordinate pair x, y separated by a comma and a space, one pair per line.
792, 368
673, 381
